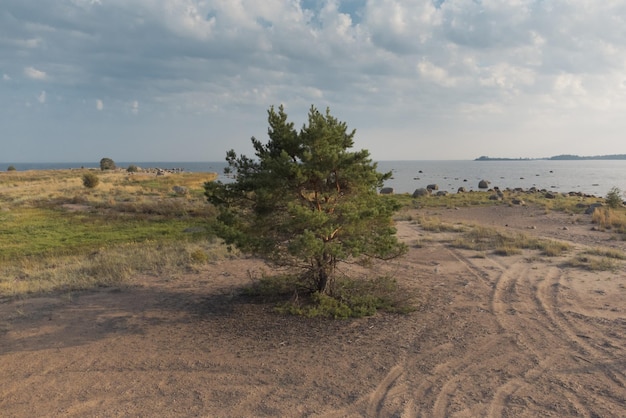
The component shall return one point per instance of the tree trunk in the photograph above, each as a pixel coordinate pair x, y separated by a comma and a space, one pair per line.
324, 276
322, 282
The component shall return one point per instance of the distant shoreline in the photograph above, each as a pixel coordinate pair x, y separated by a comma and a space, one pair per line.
563, 157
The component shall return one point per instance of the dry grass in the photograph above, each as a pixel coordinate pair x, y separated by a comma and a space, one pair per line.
593, 263
40, 186
480, 238
608, 218
434, 224
607, 252
58, 234
113, 266
553, 248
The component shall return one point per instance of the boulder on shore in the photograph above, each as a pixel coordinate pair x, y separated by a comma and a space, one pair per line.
421, 192
387, 190
592, 208
483, 184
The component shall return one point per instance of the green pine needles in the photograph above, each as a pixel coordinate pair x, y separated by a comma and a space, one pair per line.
306, 201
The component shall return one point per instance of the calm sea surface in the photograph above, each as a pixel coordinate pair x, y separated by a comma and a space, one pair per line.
595, 177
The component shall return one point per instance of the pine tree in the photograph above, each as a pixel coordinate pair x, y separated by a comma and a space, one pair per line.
306, 201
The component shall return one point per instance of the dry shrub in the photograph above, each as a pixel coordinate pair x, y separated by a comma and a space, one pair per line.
554, 248
607, 218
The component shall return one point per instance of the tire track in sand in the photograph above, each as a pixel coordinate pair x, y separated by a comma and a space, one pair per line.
580, 340
409, 390
440, 392
389, 398
511, 370
526, 309
527, 306
385, 392
511, 302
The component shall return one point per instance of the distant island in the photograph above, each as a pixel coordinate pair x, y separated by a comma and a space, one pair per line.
557, 157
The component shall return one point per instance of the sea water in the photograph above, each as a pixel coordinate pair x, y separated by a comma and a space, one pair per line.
594, 177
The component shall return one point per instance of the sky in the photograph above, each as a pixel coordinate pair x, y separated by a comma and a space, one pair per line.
187, 80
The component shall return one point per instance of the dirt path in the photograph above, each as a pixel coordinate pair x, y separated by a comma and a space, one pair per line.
518, 336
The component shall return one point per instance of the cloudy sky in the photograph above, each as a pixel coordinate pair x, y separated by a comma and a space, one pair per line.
186, 80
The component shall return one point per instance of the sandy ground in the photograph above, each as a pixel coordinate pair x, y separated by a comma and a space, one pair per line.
516, 336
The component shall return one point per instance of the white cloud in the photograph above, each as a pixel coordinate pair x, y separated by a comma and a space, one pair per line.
42, 97
35, 74
422, 64
569, 84
506, 76
401, 26
186, 18
436, 74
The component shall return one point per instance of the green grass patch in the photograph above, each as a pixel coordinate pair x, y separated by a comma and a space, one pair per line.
351, 298
449, 201
560, 202
47, 232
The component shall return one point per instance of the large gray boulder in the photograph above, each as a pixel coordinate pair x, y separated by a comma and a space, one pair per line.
421, 192
433, 187
592, 208
483, 184
387, 190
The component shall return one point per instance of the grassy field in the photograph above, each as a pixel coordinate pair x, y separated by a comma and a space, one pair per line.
57, 234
